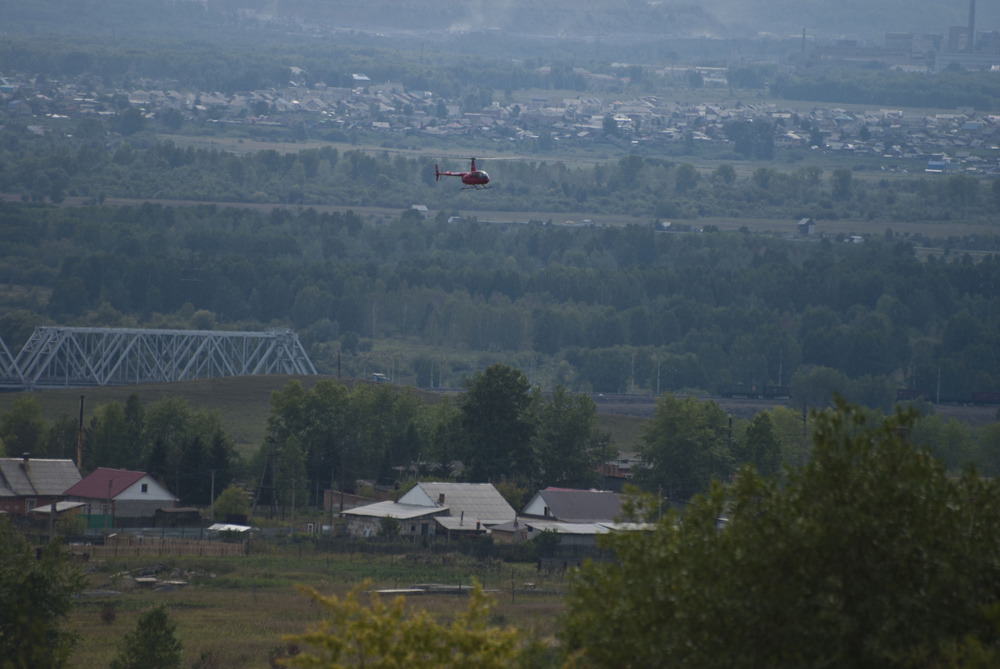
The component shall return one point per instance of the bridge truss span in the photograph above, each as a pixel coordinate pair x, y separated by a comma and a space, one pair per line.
76, 357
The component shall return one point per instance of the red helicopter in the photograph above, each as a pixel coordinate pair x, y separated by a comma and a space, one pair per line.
475, 179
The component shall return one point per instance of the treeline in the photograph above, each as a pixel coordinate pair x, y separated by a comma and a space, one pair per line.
180, 446
330, 436
237, 68
942, 90
95, 165
608, 309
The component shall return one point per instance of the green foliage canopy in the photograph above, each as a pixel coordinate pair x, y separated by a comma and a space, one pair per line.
35, 593
869, 556
153, 644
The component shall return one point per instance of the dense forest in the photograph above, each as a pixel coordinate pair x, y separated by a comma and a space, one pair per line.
607, 309
97, 162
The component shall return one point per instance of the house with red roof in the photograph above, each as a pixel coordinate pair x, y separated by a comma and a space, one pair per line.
131, 498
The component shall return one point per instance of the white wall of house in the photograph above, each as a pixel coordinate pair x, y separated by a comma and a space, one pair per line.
417, 497
142, 499
536, 507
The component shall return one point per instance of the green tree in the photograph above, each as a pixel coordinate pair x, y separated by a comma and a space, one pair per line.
686, 178
389, 527
22, 429
153, 643
851, 563
62, 437
498, 424
684, 447
567, 442
35, 593
725, 173
172, 119
105, 441
841, 184
231, 501
762, 448
131, 121
393, 637
609, 125
816, 386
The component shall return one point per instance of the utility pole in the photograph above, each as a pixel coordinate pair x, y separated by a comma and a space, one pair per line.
263, 477
79, 438
633, 373
804, 447
333, 474
107, 509
343, 459
293, 505
604, 464
212, 503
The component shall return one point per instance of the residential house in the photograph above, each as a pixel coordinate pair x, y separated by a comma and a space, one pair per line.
573, 506
127, 498
431, 508
26, 483
472, 507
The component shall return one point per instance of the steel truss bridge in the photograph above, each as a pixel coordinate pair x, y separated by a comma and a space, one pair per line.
65, 357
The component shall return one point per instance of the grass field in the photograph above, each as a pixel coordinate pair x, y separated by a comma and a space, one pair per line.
237, 609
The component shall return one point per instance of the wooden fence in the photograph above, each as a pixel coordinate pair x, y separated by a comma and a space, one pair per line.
134, 546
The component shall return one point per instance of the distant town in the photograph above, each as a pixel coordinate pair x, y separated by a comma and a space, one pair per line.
960, 140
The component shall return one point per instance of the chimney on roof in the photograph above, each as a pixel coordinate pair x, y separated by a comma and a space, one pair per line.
26, 455
441, 498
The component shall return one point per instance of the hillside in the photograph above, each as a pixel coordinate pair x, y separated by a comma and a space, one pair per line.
607, 21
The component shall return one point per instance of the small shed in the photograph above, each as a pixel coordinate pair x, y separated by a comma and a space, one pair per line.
365, 521
806, 227
177, 517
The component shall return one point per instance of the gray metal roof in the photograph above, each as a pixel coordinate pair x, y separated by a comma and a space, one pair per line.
33, 477
394, 510
478, 501
581, 506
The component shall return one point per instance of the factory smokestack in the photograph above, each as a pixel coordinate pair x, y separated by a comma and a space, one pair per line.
972, 25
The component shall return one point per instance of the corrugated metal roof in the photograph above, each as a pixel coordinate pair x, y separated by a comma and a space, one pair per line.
229, 527
458, 524
582, 506
566, 528
479, 501
60, 507
36, 476
95, 484
394, 510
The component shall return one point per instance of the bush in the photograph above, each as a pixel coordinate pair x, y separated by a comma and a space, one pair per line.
152, 644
